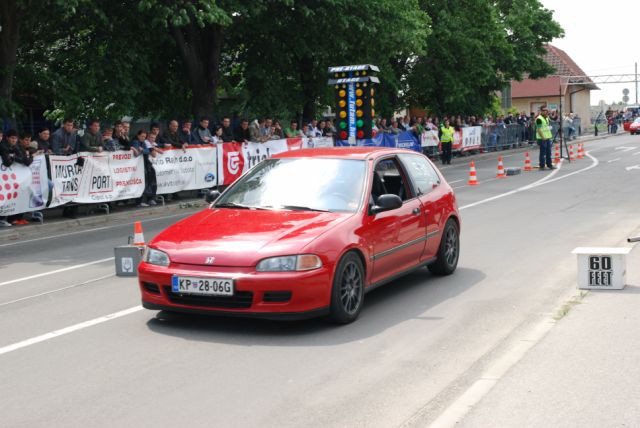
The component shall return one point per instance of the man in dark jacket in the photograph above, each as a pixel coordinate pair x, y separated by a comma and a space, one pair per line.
92, 139
171, 138
64, 140
227, 132
242, 134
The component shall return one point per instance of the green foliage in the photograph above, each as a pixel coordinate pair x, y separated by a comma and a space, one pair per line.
475, 48
172, 58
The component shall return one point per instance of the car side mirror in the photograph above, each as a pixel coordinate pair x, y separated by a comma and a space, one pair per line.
386, 202
211, 196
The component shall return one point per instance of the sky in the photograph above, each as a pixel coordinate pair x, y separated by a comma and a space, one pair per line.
601, 37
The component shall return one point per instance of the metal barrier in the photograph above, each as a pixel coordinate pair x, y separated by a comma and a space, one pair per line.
501, 137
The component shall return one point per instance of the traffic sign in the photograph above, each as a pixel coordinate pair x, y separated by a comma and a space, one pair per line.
625, 99
625, 91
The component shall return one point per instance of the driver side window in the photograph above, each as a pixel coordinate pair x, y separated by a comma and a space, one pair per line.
389, 179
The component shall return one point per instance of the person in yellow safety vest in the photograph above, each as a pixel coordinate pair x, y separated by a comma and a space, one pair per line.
543, 137
446, 140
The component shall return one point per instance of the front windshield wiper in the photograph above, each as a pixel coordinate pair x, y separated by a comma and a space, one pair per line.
298, 208
234, 205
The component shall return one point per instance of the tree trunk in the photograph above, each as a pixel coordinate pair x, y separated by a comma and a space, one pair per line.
309, 89
10, 18
200, 50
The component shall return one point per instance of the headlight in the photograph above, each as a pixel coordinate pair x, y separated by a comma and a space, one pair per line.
156, 257
290, 263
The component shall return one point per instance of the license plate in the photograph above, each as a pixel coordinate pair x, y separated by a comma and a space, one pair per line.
199, 285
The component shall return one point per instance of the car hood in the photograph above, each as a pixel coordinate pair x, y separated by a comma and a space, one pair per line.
240, 237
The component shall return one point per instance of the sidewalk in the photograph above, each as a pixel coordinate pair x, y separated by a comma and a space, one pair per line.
584, 373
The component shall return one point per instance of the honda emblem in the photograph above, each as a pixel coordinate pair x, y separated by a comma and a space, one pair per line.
209, 260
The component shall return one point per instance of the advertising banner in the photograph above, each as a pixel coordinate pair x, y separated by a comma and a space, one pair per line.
190, 169
430, 139
471, 138
23, 188
404, 140
101, 177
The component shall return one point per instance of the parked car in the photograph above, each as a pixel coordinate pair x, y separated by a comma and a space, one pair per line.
634, 127
306, 233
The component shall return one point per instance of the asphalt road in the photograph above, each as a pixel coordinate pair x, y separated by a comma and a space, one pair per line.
77, 350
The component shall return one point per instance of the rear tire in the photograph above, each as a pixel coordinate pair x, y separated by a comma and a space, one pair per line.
448, 251
347, 294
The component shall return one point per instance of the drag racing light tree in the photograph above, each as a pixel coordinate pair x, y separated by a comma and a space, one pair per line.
354, 87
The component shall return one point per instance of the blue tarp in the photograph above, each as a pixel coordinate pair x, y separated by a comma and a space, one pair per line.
404, 140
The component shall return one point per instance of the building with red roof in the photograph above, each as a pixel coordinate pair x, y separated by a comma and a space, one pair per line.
530, 94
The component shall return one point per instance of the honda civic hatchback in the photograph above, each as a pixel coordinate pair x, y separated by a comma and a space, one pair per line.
306, 233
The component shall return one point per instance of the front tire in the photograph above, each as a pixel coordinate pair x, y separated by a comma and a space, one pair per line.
448, 251
347, 294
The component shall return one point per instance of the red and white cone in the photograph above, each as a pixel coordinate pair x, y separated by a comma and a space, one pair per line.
527, 162
473, 179
571, 155
556, 156
580, 151
500, 173
138, 236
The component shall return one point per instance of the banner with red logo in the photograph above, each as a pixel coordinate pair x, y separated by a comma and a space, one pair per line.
234, 159
23, 188
190, 169
101, 177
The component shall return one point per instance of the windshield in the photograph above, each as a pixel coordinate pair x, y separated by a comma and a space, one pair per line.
315, 184
637, 120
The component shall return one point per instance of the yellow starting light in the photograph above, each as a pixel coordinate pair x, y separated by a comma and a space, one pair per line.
342, 93
358, 102
342, 103
359, 92
343, 114
364, 73
336, 86
357, 73
373, 102
359, 113
372, 92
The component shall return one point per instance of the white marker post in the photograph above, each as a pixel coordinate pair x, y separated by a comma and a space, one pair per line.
602, 268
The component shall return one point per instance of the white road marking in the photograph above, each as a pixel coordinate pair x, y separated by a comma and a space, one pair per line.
625, 148
613, 160
636, 154
90, 230
629, 168
80, 284
546, 180
456, 181
51, 272
67, 330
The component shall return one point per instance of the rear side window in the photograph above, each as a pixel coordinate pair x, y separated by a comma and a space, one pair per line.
421, 172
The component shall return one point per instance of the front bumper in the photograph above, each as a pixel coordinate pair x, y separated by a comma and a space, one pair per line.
288, 295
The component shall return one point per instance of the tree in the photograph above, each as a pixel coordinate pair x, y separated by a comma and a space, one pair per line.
475, 49
287, 58
11, 15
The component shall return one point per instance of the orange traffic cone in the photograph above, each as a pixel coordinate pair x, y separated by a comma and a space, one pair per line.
580, 151
501, 173
473, 180
556, 155
138, 236
527, 162
571, 156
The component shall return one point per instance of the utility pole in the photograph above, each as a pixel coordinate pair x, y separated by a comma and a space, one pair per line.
636, 83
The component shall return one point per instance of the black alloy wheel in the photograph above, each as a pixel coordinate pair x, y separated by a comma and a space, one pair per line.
448, 252
347, 294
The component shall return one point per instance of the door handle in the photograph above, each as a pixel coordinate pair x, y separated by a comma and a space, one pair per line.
416, 211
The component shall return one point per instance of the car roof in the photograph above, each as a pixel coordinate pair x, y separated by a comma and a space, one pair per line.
356, 153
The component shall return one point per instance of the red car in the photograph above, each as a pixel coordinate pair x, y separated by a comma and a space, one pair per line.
634, 127
306, 233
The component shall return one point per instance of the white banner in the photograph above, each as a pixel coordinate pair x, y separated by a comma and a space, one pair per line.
190, 169
105, 176
430, 138
471, 138
319, 142
23, 188
234, 159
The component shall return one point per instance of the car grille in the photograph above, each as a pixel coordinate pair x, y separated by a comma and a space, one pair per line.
240, 300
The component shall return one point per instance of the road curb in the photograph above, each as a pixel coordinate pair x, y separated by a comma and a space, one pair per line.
120, 217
